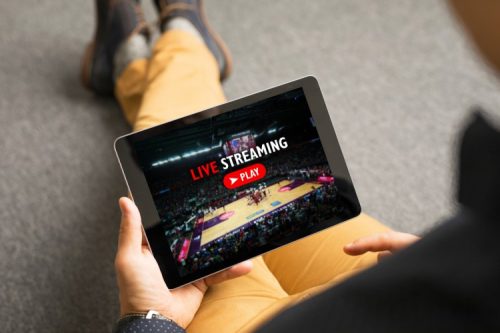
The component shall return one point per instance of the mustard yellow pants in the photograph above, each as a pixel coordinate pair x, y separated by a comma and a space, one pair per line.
180, 78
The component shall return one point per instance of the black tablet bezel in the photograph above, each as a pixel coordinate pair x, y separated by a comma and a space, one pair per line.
142, 197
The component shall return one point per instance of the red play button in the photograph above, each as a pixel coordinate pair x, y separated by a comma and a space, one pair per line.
244, 176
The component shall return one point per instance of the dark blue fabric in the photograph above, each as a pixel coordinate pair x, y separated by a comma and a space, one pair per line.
139, 324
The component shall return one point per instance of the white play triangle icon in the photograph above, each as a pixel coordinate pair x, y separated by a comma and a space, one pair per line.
233, 180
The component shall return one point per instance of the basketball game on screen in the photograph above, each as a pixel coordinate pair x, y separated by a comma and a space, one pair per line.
240, 180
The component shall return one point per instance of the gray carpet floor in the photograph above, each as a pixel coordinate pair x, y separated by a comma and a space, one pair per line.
398, 78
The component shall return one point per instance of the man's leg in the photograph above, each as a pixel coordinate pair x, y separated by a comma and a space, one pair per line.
129, 88
285, 277
235, 304
182, 77
319, 260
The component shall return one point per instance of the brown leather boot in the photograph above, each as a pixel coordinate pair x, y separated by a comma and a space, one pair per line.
194, 11
117, 20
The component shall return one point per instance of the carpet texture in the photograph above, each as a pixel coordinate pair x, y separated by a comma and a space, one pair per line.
398, 78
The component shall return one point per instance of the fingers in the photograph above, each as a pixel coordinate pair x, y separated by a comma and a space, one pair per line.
130, 236
376, 242
387, 241
383, 255
230, 273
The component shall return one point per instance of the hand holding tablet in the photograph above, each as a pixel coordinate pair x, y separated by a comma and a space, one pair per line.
141, 283
237, 180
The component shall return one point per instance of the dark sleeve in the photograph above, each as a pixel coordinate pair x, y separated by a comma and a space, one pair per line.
139, 324
447, 282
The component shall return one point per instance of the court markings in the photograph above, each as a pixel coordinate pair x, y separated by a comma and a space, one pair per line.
244, 213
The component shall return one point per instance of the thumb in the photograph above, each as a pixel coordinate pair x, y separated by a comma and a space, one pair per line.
130, 236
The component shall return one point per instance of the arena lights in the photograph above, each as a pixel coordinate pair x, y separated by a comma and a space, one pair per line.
186, 155
170, 159
196, 152
274, 130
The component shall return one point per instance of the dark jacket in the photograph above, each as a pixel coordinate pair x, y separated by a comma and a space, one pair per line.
447, 282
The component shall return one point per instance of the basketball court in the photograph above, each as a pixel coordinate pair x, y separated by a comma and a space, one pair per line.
240, 212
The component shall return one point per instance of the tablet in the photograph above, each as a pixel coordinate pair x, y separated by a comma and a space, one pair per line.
237, 180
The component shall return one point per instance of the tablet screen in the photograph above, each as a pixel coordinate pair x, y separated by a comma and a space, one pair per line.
237, 184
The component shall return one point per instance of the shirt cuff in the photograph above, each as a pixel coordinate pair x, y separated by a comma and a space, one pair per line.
142, 323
